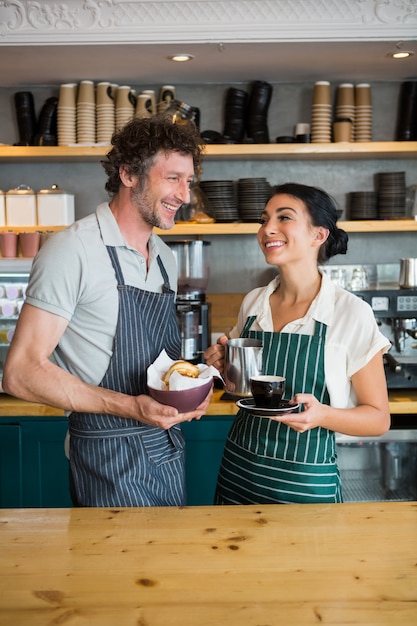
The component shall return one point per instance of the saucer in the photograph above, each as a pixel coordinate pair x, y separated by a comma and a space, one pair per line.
249, 405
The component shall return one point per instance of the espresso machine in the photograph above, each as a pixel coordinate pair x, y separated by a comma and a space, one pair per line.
385, 467
395, 310
193, 311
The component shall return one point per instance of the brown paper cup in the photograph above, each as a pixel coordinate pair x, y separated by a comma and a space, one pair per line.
321, 92
342, 131
167, 93
345, 95
86, 92
363, 95
67, 95
104, 94
125, 98
151, 94
144, 105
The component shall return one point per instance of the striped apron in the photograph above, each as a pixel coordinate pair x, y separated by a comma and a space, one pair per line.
268, 462
119, 461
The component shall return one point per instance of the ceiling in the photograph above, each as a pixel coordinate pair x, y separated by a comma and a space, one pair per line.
136, 64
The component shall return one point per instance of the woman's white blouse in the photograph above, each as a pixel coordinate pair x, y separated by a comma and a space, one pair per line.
352, 338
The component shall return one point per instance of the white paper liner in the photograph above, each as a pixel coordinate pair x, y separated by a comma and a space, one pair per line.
158, 368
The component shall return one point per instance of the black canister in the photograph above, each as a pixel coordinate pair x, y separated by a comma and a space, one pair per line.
407, 112
25, 115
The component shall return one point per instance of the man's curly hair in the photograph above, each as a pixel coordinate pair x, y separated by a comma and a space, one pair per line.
141, 139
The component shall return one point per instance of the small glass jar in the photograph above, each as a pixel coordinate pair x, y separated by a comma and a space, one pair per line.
179, 112
359, 279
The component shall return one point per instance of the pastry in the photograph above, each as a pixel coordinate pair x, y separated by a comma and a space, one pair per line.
185, 368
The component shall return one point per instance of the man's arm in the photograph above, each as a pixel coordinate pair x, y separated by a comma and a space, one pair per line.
29, 374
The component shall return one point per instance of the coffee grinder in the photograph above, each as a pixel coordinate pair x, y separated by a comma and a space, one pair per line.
193, 312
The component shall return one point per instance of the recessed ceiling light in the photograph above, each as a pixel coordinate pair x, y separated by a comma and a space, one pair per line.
181, 57
400, 53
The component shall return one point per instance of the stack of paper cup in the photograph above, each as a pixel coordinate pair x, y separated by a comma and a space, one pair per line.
166, 96
114, 88
153, 106
125, 105
105, 112
86, 112
363, 109
321, 116
67, 114
345, 105
144, 105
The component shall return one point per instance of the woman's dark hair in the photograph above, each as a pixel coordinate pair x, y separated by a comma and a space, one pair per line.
141, 139
322, 210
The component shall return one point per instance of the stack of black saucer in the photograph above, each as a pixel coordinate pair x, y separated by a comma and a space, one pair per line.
363, 205
252, 195
391, 195
222, 197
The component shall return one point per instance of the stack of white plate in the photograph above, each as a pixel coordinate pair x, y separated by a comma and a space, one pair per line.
252, 195
221, 195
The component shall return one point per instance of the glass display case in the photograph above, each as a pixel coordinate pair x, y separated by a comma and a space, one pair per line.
14, 276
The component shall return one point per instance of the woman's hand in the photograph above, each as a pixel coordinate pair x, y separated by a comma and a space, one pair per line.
214, 355
311, 417
369, 418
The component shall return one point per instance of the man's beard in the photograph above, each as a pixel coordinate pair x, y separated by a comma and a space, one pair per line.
140, 199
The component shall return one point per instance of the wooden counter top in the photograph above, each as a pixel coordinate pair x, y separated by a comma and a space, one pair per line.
269, 565
401, 402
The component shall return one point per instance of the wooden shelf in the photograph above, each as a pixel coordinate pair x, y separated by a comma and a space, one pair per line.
272, 151
314, 151
247, 228
230, 152
31, 229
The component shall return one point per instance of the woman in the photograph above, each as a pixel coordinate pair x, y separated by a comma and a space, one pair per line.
326, 343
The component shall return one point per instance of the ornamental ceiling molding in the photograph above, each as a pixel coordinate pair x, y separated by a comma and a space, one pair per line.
204, 21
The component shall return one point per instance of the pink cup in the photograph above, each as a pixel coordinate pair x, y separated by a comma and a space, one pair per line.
8, 244
29, 244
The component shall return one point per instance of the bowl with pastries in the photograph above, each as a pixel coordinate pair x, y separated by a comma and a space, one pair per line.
179, 383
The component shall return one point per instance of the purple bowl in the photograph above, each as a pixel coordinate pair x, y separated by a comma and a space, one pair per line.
184, 401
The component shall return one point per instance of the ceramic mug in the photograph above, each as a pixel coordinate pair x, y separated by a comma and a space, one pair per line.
8, 244
29, 244
267, 391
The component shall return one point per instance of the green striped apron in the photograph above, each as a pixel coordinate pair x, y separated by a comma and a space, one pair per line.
267, 462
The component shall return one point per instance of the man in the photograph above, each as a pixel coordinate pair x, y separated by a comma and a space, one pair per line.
101, 300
